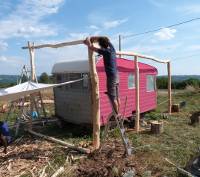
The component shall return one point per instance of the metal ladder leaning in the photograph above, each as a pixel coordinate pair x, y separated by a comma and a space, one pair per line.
120, 125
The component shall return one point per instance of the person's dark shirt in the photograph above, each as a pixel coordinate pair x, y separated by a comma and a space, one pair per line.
109, 58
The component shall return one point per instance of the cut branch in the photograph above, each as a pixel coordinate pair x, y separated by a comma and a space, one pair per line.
71, 146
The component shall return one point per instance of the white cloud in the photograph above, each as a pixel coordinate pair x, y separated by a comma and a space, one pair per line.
26, 19
151, 49
194, 47
3, 59
94, 27
10, 59
3, 45
157, 3
114, 23
166, 34
78, 35
189, 9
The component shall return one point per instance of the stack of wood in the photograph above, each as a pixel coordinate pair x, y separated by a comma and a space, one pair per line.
157, 127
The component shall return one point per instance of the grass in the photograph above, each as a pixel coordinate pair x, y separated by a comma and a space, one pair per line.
179, 142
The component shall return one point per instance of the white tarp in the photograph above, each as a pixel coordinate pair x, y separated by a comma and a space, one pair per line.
27, 88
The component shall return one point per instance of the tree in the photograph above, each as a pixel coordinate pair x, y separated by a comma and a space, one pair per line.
44, 78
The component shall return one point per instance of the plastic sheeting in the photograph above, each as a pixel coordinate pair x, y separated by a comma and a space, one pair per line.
27, 88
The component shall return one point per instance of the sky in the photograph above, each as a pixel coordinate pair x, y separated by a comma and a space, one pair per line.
53, 21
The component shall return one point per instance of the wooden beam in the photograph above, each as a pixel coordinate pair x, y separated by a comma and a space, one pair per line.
141, 56
63, 44
71, 146
95, 106
169, 88
137, 94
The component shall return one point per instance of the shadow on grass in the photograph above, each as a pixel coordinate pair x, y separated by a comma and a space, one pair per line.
67, 130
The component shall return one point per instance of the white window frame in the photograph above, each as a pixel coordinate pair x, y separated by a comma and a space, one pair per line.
154, 83
133, 87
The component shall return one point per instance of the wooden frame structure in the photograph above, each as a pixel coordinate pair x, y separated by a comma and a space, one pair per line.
137, 83
95, 83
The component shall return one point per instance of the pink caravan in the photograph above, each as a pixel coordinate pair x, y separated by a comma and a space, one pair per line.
73, 102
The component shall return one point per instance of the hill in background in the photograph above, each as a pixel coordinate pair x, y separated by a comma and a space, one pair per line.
180, 78
8, 79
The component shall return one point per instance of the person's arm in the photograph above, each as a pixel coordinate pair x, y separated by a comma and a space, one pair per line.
89, 42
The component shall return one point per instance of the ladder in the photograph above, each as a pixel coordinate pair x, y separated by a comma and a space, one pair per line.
120, 126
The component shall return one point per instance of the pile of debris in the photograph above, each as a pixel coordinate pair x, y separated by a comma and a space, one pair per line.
109, 161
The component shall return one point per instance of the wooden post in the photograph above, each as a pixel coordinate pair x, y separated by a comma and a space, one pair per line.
120, 46
32, 61
169, 88
137, 95
33, 78
95, 100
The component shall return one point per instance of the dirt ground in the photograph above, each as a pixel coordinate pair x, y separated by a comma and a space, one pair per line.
25, 155
28, 156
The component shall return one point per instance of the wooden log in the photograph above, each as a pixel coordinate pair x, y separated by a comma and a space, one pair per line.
175, 108
157, 127
141, 56
71, 146
137, 95
95, 106
63, 44
169, 88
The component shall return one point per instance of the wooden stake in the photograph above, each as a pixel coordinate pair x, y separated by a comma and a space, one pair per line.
137, 95
169, 88
95, 107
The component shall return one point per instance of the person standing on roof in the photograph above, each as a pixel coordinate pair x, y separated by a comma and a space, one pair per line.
109, 57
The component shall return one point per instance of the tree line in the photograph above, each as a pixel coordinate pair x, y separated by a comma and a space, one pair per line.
162, 83
43, 78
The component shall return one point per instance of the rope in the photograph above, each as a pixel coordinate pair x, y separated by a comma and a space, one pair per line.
163, 102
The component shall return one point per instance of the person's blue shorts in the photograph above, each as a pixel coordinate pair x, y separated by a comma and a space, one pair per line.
113, 88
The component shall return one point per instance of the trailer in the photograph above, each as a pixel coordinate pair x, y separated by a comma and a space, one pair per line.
73, 101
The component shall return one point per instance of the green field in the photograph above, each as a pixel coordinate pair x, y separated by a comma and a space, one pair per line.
179, 142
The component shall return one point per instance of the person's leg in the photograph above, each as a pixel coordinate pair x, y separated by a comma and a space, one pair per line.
115, 105
4, 143
117, 96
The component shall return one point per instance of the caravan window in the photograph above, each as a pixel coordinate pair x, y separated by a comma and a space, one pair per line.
131, 81
151, 85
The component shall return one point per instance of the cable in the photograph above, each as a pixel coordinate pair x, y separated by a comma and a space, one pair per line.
158, 29
185, 57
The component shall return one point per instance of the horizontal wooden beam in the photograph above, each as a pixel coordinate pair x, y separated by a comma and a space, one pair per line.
141, 56
63, 44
